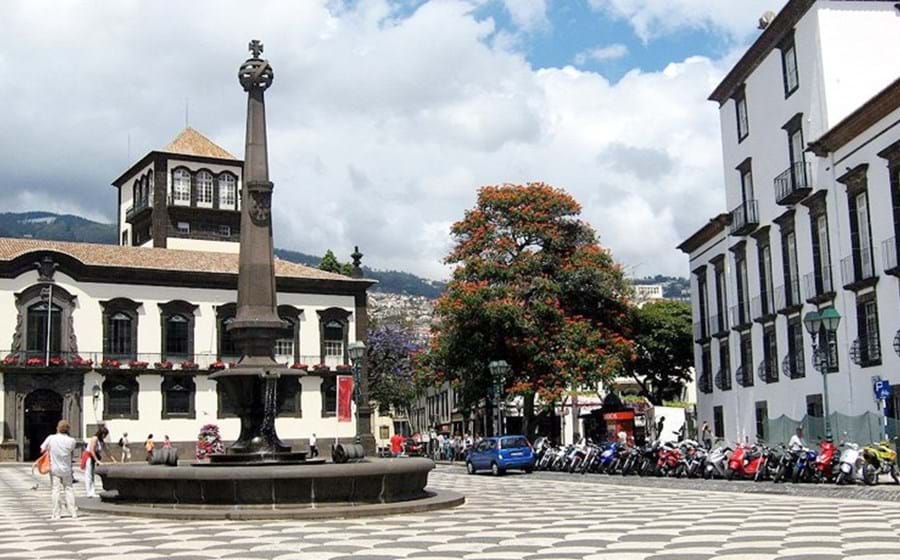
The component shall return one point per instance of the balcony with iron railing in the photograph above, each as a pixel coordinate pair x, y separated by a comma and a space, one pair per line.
794, 184
764, 306
866, 351
819, 287
701, 331
723, 379
793, 365
787, 297
767, 371
704, 383
889, 254
744, 218
138, 209
718, 324
858, 269
740, 316
744, 376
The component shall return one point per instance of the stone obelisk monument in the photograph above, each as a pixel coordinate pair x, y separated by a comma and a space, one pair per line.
252, 385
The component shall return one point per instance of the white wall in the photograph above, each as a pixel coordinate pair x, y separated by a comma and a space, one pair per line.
127, 194
87, 318
186, 244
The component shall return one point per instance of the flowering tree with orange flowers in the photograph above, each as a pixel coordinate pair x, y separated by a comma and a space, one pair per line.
533, 287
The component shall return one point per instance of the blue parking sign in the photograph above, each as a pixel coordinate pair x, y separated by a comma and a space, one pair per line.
882, 390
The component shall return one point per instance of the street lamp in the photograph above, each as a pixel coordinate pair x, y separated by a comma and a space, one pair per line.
357, 352
815, 321
499, 370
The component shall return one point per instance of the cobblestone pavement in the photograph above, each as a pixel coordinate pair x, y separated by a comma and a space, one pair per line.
512, 517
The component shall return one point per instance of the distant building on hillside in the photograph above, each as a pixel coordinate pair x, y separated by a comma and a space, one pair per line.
644, 293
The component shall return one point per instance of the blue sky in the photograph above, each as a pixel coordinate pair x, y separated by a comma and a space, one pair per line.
386, 116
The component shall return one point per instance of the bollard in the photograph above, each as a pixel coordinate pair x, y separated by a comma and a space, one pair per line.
343, 452
166, 456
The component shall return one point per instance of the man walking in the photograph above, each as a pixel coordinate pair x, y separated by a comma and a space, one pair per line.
60, 447
313, 446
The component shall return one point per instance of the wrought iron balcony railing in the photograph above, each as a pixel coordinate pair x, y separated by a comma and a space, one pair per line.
723, 379
138, 208
744, 376
793, 365
819, 285
767, 371
744, 218
704, 383
788, 296
858, 267
866, 351
794, 184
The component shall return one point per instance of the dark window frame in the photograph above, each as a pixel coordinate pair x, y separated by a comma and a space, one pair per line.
328, 380
61, 298
863, 303
740, 99
788, 45
719, 422
168, 383
762, 420
114, 307
334, 314
167, 311
129, 381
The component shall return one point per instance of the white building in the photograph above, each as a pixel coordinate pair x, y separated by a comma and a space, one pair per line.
809, 225
644, 293
132, 331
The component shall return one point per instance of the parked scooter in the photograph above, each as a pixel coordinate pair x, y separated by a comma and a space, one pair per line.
804, 466
854, 468
827, 461
745, 462
716, 465
883, 459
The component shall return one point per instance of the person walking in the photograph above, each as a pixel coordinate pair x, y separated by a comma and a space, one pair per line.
659, 427
706, 435
167, 443
313, 446
125, 450
60, 447
96, 451
149, 445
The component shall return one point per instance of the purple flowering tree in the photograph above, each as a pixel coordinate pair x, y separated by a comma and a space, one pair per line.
390, 351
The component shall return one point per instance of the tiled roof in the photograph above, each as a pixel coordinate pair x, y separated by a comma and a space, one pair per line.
190, 142
147, 258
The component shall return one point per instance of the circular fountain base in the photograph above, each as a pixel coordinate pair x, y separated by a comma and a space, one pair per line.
372, 487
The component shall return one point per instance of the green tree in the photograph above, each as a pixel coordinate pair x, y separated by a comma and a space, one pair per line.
329, 263
390, 351
663, 348
532, 286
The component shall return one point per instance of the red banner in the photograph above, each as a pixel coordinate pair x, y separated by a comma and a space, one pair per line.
344, 398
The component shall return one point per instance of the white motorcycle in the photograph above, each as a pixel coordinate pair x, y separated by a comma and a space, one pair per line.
854, 468
716, 465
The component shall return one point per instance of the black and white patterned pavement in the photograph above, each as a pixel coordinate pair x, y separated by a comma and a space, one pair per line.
512, 517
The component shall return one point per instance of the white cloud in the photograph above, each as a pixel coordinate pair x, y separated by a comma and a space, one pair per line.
381, 126
601, 54
736, 19
528, 14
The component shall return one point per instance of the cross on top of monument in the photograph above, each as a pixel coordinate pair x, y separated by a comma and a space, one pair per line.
256, 47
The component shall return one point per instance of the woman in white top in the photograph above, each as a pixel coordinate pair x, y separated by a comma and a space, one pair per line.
60, 447
97, 450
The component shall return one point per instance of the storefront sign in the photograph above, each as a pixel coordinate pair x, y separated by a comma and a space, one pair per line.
624, 415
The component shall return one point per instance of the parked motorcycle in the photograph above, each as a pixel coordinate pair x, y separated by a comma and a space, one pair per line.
883, 459
827, 461
854, 468
716, 465
745, 462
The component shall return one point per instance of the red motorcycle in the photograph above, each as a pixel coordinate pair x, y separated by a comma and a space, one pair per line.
669, 458
746, 462
826, 461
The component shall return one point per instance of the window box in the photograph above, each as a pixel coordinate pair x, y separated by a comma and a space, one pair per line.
78, 361
163, 365
320, 367
189, 365
298, 365
11, 361
109, 363
344, 368
137, 364
56, 361
216, 366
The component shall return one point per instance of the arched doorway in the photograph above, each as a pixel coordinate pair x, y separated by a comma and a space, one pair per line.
43, 409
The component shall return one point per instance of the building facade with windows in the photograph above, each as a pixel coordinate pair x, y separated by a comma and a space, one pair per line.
808, 119
127, 335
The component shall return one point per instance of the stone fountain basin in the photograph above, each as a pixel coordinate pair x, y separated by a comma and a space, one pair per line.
374, 481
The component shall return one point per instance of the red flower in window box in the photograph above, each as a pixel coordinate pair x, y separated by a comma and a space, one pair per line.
298, 365
217, 365
110, 363
11, 360
56, 361
137, 364
34, 362
231, 364
78, 361
163, 365
343, 367
189, 365
320, 367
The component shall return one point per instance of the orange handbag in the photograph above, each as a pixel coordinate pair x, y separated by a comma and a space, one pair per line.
43, 463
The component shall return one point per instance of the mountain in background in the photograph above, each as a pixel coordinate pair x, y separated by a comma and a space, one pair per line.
66, 227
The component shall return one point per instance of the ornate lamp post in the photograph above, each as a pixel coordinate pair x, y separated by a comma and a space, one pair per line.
499, 370
357, 352
815, 322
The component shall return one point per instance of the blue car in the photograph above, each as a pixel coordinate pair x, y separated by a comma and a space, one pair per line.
498, 454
